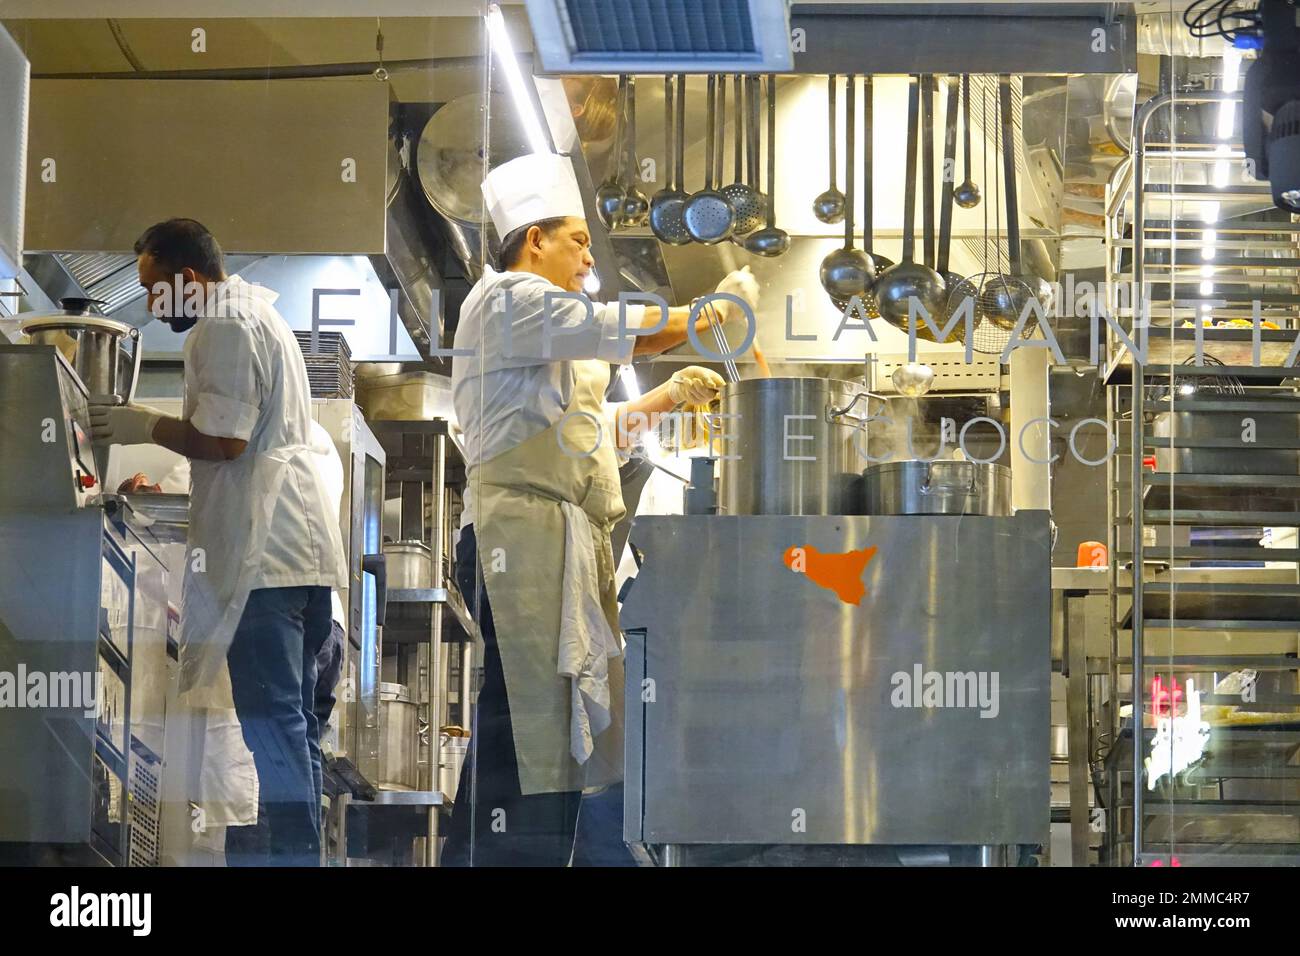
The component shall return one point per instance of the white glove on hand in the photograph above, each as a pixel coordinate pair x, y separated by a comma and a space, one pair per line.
742, 284
695, 385
123, 424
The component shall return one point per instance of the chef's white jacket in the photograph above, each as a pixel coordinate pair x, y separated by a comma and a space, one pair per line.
517, 383
245, 378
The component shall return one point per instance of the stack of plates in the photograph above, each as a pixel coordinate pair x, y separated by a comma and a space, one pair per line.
329, 369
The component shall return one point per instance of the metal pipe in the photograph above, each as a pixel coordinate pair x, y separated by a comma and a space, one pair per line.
1140, 123
435, 644
301, 72
993, 854
466, 673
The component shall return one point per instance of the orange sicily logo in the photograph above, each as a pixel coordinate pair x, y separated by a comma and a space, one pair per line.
839, 572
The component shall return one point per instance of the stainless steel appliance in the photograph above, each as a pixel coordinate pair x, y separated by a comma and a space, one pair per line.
794, 708
792, 446
94, 346
916, 487
84, 602
357, 756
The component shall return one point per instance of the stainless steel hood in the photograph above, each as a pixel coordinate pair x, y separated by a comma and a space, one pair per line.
294, 167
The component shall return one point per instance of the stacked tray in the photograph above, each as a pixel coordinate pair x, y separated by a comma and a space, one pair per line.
329, 367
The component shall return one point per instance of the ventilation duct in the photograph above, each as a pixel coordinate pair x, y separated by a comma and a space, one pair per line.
655, 36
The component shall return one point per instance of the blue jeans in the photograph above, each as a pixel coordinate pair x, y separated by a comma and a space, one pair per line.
250, 845
273, 675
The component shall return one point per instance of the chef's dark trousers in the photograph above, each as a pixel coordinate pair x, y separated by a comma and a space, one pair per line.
251, 845
492, 822
273, 677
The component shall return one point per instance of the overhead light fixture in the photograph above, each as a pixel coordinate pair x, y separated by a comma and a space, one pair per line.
1231, 84
504, 52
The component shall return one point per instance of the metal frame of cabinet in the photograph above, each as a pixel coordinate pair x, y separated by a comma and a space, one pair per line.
425, 624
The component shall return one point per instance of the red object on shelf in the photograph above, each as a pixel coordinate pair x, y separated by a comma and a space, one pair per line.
1165, 701
1149, 462
86, 481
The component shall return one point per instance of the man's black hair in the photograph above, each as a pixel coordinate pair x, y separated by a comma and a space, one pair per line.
177, 244
512, 247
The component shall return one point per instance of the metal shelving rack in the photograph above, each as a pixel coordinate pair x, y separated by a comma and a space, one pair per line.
1200, 615
424, 461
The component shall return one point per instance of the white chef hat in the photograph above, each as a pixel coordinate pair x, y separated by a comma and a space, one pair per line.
529, 189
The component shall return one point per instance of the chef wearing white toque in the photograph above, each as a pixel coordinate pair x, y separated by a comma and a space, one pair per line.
534, 560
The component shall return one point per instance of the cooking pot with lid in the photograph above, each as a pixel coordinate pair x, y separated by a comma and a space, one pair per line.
93, 345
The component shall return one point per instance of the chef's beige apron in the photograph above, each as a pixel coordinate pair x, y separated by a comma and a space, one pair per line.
231, 529
520, 528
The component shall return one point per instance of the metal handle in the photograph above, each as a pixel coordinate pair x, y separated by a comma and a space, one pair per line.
850, 110
739, 124
377, 564
720, 339
710, 111
832, 125
136, 358
909, 183
1009, 173
833, 413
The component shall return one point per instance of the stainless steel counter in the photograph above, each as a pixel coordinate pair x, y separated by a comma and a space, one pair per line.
763, 708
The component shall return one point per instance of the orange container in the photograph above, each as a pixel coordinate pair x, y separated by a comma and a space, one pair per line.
1092, 554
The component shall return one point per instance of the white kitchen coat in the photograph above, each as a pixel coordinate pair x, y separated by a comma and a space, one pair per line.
263, 519
225, 788
509, 390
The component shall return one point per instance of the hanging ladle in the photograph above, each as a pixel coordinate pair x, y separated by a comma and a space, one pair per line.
828, 207
636, 208
744, 199
848, 273
1004, 298
909, 281
967, 195
951, 281
609, 195
770, 241
666, 207
868, 190
708, 216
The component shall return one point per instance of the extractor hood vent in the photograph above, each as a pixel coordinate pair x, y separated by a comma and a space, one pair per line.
631, 36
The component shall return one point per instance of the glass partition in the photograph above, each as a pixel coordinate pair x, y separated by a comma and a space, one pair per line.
875, 452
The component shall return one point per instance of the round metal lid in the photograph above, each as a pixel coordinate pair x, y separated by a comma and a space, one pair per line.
451, 158
63, 320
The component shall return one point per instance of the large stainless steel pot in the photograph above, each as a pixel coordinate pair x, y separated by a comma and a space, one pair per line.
410, 565
94, 347
937, 488
800, 445
399, 738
